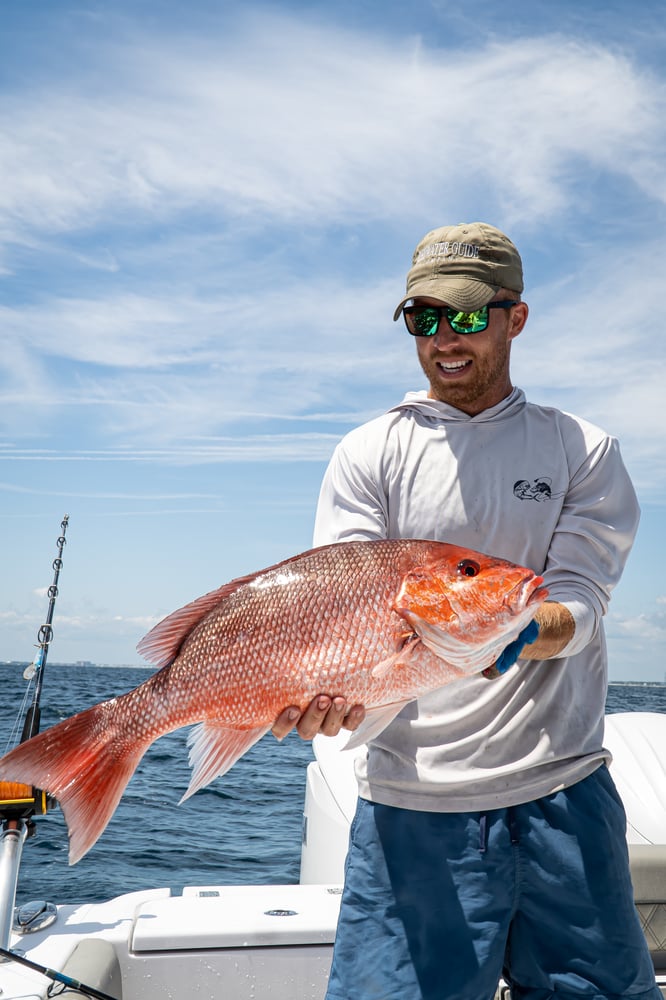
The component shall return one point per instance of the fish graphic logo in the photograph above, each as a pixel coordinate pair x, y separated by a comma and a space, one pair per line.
539, 489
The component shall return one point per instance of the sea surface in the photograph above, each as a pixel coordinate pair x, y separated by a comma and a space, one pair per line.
245, 827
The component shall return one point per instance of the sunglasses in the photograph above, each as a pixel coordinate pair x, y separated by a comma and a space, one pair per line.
423, 321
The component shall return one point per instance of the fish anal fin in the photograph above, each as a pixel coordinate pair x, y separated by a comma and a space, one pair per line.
214, 748
376, 720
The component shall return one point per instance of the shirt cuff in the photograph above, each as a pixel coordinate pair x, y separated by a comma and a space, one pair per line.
586, 625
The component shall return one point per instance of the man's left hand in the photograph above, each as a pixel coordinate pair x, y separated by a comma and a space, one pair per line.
509, 656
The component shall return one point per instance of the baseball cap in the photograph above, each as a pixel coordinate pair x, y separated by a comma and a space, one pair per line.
464, 266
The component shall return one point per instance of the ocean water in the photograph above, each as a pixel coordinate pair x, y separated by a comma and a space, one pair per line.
245, 827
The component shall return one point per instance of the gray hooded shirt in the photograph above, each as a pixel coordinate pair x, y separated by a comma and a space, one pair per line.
526, 483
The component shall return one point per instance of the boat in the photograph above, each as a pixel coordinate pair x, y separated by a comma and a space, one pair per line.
248, 942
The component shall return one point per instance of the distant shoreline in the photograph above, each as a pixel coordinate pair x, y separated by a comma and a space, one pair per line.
22, 664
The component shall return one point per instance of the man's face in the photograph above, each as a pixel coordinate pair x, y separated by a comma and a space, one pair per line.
471, 371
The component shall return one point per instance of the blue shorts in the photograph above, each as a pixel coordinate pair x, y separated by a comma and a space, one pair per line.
438, 906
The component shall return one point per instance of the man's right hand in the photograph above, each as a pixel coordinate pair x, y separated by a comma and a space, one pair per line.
323, 715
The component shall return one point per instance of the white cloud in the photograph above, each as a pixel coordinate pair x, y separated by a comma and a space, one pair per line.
591, 341
205, 224
643, 627
218, 153
307, 123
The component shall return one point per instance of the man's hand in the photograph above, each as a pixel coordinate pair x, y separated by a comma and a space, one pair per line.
550, 631
323, 715
509, 656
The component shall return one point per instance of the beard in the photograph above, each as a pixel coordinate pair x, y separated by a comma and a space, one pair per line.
485, 384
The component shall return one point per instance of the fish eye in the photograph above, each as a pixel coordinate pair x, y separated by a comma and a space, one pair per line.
467, 567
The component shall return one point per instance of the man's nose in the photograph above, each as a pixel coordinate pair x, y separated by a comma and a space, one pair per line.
445, 335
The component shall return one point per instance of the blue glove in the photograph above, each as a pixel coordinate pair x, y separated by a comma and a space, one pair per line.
508, 657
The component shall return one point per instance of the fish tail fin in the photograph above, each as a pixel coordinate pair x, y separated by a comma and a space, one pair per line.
214, 748
85, 763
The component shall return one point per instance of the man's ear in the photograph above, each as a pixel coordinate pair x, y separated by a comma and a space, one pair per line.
517, 319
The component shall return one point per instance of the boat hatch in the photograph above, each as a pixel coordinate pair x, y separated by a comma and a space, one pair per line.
237, 917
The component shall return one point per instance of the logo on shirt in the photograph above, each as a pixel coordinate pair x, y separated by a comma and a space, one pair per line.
539, 489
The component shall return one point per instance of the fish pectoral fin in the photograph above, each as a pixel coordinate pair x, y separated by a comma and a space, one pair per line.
214, 748
409, 643
381, 669
376, 720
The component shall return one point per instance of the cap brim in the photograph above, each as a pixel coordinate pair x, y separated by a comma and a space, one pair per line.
465, 294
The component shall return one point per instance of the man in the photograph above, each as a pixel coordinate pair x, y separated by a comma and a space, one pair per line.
489, 838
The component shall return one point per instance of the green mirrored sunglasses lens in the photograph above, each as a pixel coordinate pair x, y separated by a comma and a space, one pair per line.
425, 322
468, 322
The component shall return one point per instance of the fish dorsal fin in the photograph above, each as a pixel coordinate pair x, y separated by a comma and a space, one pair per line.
161, 645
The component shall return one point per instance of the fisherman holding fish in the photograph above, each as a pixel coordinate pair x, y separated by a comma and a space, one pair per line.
467, 543
489, 839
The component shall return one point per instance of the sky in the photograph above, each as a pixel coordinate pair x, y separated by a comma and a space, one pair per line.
207, 212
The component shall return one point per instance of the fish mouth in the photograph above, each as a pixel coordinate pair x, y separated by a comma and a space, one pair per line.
525, 594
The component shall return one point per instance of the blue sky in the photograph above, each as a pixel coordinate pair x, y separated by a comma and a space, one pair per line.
207, 210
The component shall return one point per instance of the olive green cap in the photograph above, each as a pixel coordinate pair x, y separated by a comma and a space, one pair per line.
464, 266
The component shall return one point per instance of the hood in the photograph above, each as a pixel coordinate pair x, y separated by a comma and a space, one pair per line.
419, 402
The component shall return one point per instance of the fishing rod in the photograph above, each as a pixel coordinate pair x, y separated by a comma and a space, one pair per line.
56, 977
22, 802
44, 637
18, 801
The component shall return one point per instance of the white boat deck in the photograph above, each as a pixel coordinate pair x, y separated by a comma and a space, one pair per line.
246, 942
